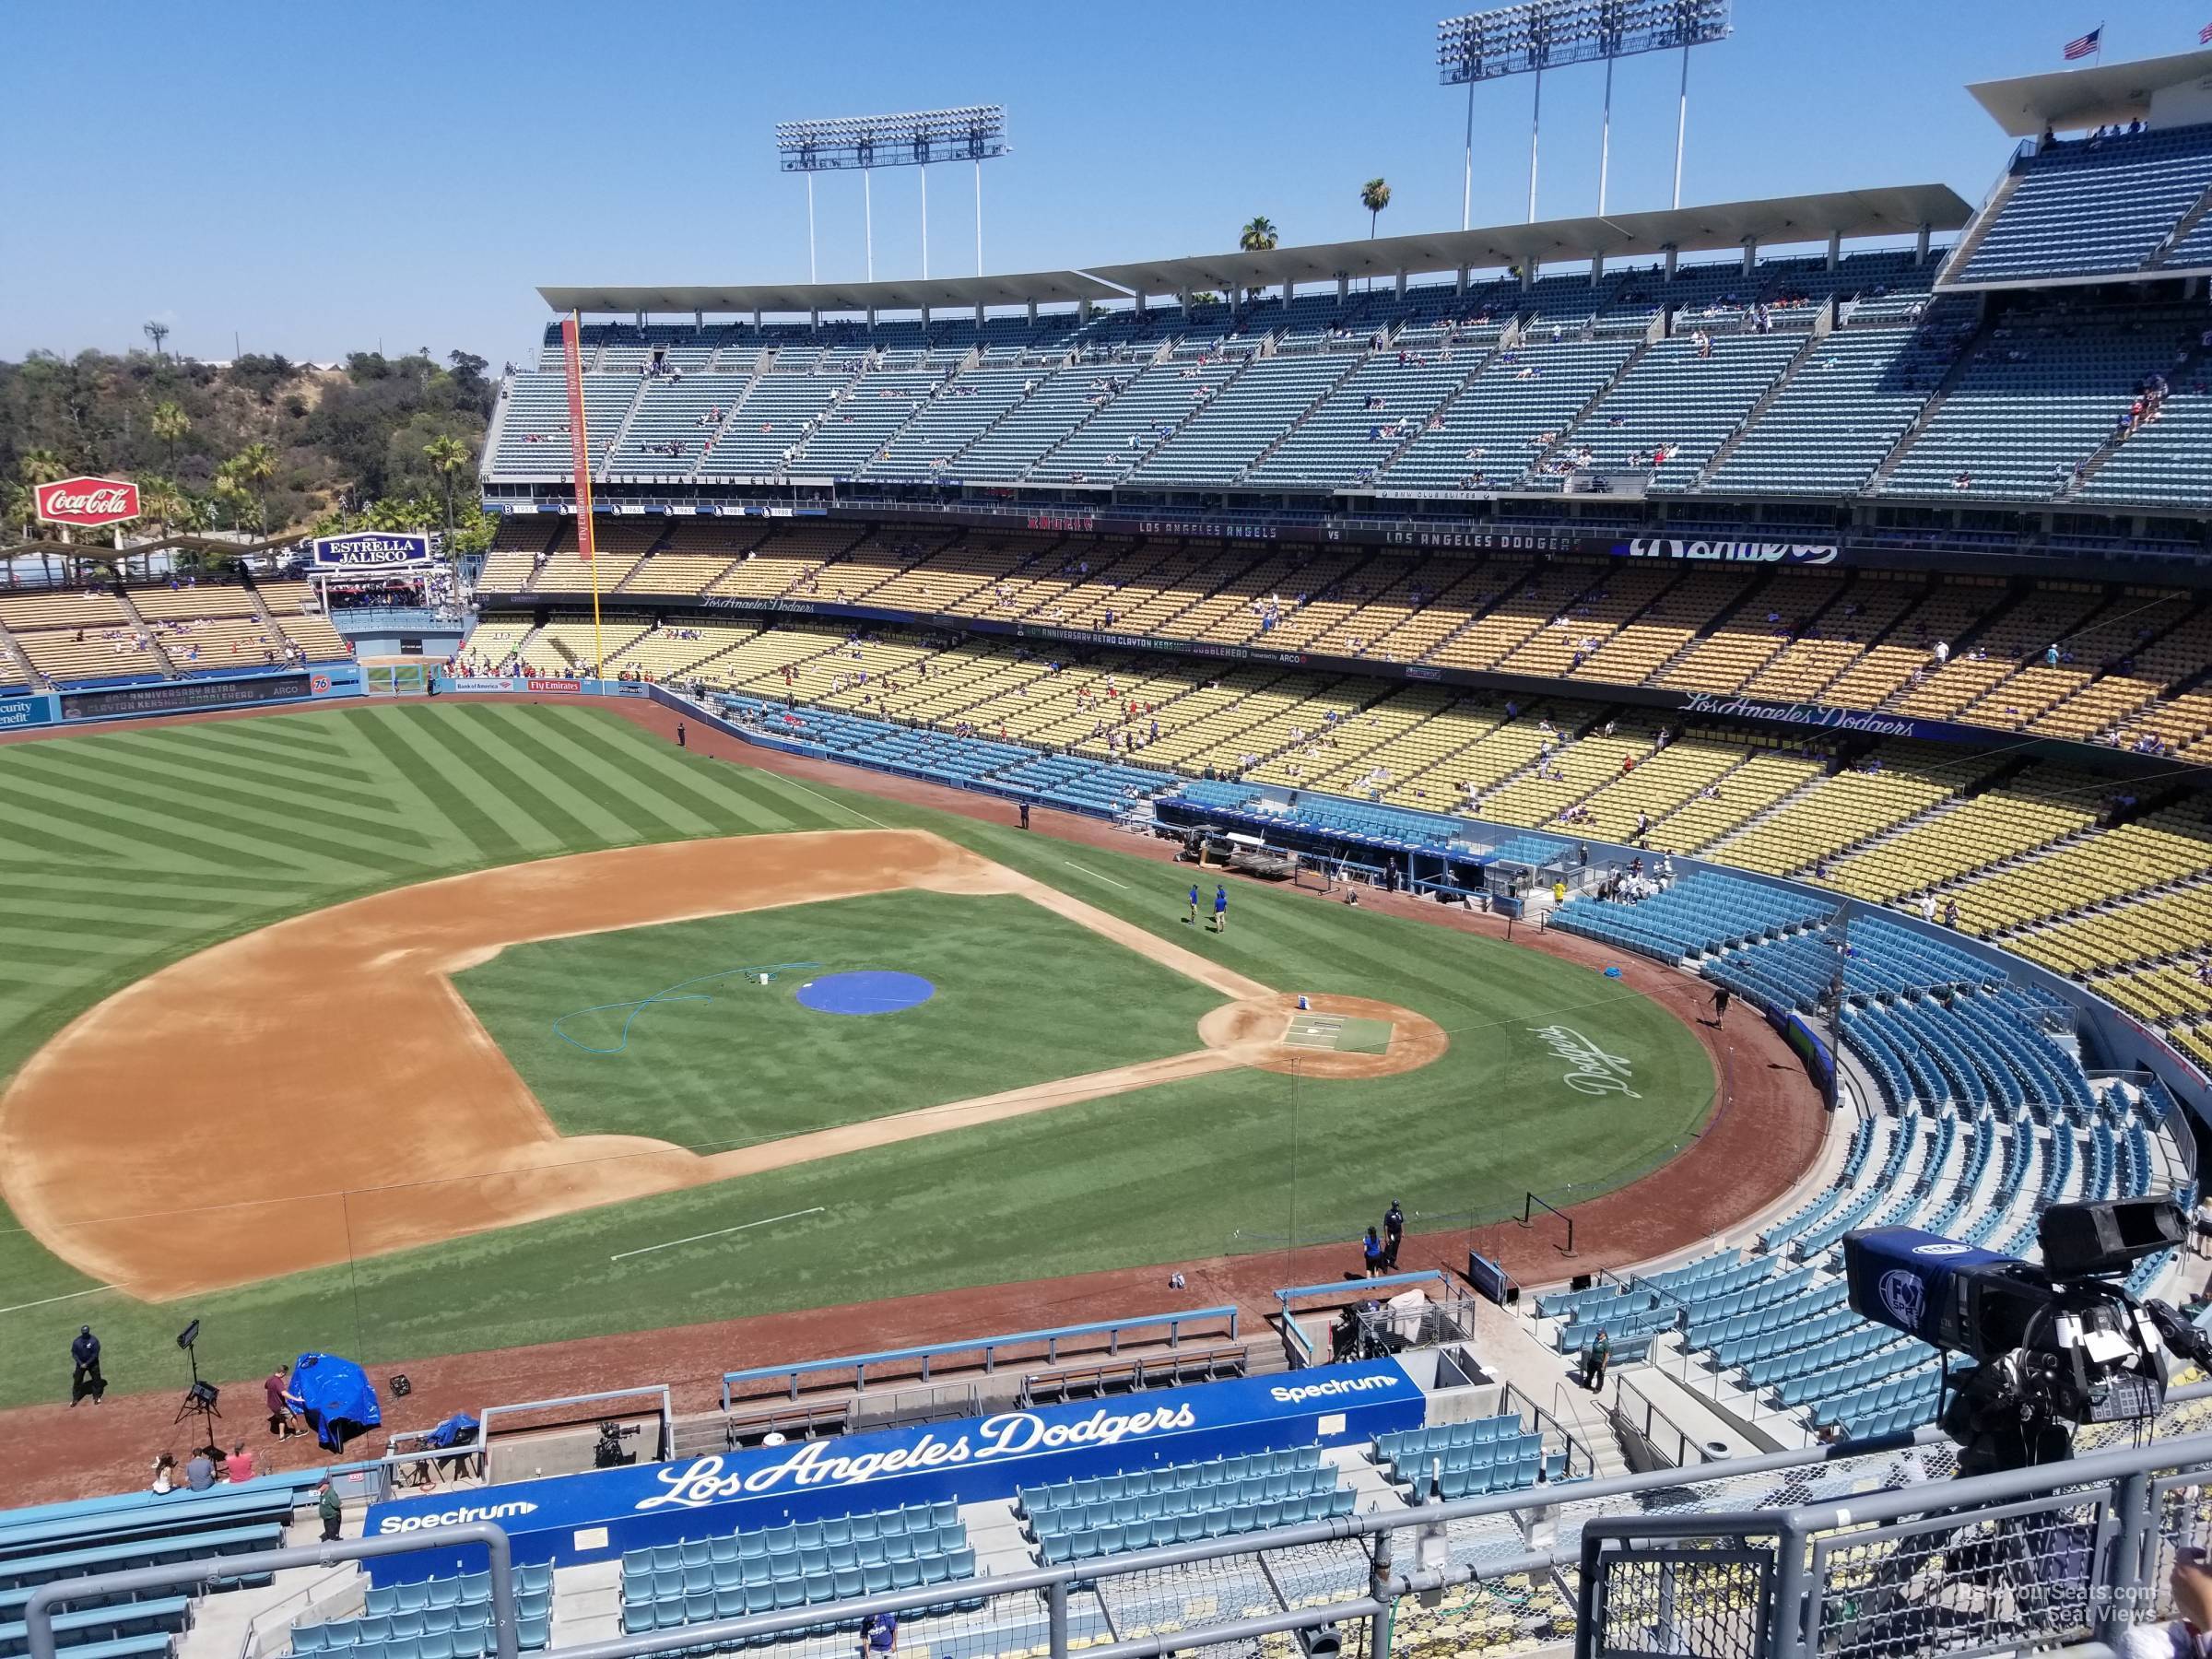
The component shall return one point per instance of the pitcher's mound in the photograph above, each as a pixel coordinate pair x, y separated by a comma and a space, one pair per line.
1331, 1036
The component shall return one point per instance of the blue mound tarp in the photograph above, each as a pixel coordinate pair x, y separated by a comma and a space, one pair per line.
334, 1397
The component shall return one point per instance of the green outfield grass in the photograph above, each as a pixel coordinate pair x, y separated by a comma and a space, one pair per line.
122, 851
745, 1063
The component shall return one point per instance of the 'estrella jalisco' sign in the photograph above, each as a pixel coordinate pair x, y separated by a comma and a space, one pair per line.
371, 550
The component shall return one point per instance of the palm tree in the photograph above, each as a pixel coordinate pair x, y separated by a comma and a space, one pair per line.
36, 467
448, 459
171, 425
252, 468
1258, 236
1374, 195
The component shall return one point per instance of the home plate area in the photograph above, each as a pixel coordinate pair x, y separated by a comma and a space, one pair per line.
1338, 1034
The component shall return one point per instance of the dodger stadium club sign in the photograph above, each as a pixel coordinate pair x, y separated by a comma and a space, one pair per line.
371, 550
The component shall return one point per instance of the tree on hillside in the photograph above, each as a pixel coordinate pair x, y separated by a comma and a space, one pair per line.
252, 468
448, 459
171, 425
1258, 235
41, 466
157, 331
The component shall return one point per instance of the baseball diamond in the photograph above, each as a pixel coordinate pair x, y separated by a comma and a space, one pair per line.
452, 1137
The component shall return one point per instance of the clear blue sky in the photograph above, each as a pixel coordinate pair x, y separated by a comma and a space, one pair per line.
319, 178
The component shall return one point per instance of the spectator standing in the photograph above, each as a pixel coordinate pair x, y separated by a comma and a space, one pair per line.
273, 1388
84, 1354
329, 1508
1372, 1254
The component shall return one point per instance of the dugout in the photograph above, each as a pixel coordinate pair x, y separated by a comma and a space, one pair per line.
596, 1516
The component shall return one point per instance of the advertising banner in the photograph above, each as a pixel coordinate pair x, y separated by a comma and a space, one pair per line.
88, 502
171, 697
16, 713
1727, 552
591, 1517
367, 552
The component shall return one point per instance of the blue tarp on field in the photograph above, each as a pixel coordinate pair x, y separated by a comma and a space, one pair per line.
335, 1398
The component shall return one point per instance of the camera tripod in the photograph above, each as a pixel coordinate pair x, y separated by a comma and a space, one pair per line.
200, 1402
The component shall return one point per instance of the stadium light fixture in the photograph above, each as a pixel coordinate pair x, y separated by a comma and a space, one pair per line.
1552, 34
974, 133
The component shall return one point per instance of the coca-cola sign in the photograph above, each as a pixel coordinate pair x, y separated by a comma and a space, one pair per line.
88, 502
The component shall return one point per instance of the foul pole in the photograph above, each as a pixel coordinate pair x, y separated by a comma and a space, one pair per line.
579, 450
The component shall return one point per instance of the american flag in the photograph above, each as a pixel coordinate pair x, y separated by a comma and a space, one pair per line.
2204, 35
2084, 45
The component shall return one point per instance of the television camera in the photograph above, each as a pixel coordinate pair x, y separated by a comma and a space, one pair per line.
608, 1453
2054, 1344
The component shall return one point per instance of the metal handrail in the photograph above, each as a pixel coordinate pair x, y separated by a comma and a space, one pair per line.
38, 1612
1050, 1336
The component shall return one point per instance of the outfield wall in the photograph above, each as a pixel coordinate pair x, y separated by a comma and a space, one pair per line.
138, 700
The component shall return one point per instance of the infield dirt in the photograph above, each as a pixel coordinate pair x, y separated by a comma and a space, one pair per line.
265, 1059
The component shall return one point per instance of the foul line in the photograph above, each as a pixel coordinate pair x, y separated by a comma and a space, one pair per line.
1109, 880
46, 1300
824, 800
671, 1244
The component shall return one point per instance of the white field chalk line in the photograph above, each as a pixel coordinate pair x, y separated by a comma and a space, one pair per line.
1109, 880
45, 1300
826, 801
696, 1238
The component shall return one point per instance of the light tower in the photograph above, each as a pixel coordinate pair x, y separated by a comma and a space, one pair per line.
974, 133
1549, 34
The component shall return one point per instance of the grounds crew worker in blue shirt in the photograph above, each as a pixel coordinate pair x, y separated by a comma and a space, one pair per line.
1193, 904
1220, 910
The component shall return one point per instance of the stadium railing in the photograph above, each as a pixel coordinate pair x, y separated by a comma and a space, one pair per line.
990, 1350
1636, 1418
2000, 1561
1708, 1533
212, 1572
664, 1409
1299, 1348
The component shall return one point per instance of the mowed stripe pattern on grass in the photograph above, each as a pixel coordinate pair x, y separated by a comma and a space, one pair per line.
202, 831
121, 851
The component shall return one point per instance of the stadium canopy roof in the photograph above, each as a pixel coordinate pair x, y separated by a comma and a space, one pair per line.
1897, 211
2067, 98
1812, 218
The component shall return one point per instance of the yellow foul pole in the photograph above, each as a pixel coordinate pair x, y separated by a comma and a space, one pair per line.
571, 327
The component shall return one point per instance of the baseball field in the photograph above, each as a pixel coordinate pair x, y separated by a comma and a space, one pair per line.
419, 1028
